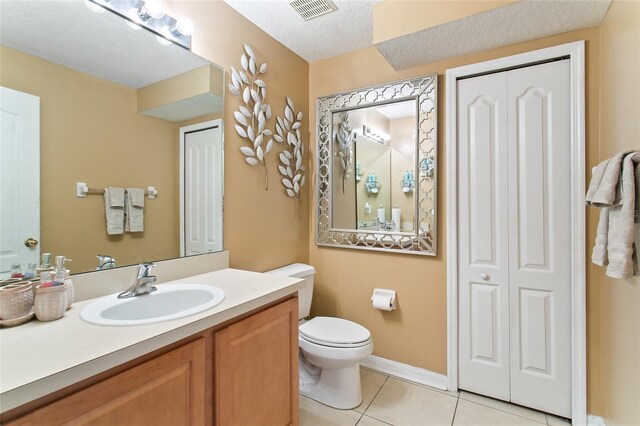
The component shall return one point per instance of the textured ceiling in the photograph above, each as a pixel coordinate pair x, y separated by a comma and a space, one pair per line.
68, 33
345, 30
514, 23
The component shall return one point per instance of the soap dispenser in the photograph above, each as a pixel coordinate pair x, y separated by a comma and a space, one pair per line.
62, 277
45, 265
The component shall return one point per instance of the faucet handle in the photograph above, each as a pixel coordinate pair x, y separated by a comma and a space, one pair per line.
144, 269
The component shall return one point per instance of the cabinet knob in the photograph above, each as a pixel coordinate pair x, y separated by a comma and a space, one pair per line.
30, 242
484, 276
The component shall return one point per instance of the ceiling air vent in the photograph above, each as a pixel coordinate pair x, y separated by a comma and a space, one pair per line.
310, 9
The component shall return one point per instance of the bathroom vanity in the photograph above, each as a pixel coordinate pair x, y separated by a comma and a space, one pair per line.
236, 363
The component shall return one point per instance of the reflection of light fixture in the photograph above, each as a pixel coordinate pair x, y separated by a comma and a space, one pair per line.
375, 134
132, 25
182, 27
95, 6
149, 15
149, 10
163, 41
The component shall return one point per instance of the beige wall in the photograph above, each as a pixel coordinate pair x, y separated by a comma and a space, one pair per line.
619, 131
90, 132
262, 229
416, 332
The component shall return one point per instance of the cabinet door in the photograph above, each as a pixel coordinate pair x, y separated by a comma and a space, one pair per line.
256, 369
167, 390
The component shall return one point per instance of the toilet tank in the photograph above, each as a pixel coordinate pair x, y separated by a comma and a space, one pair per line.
305, 294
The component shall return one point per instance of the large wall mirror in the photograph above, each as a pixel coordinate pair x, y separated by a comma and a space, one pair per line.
116, 109
377, 167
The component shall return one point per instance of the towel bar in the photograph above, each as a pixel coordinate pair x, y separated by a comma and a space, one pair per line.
82, 190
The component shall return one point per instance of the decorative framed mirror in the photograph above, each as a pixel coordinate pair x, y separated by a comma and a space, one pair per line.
377, 167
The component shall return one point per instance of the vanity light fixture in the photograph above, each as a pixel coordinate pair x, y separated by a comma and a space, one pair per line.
183, 27
375, 134
149, 9
148, 14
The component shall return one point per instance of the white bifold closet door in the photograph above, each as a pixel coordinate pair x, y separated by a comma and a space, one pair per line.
514, 224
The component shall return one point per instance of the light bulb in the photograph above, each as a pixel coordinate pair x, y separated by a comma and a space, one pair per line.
150, 9
182, 27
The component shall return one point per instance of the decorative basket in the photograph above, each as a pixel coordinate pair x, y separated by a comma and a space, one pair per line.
16, 300
51, 302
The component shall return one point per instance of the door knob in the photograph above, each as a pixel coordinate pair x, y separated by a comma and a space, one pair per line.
484, 276
30, 242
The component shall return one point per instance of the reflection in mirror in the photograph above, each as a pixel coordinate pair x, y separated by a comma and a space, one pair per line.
111, 107
376, 167
380, 194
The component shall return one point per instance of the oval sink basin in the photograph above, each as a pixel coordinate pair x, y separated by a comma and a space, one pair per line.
169, 302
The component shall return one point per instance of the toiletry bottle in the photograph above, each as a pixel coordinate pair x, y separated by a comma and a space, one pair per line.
62, 278
31, 271
45, 264
16, 270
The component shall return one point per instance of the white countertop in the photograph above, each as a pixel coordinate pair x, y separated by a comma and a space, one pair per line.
38, 358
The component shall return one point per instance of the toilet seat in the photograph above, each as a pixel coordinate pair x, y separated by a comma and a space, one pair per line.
334, 332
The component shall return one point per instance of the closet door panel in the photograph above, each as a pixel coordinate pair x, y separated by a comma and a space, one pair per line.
539, 168
483, 361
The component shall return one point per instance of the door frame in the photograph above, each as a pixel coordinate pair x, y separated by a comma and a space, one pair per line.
183, 132
575, 52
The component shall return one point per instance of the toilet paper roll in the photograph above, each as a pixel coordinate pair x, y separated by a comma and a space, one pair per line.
383, 302
395, 217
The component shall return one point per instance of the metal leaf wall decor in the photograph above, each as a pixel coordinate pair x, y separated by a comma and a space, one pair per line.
291, 167
344, 139
252, 118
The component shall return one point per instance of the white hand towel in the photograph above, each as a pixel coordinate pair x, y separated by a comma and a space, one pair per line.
135, 210
621, 248
114, 210
604, 189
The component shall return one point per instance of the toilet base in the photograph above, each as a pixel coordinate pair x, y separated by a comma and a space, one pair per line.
338, 388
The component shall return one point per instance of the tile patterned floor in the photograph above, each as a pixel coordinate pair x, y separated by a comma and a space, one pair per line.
392, 401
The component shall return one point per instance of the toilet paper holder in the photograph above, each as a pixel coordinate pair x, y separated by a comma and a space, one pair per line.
383, 293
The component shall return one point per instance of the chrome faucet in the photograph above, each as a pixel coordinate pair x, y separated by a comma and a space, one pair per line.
142, 284
388, 226
105, 262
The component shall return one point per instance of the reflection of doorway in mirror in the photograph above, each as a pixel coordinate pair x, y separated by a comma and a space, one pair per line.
201, 198
20, 185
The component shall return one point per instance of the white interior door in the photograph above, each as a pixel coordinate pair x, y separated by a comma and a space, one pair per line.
540, 236
203, 189
483, 249
514, 222
20, 178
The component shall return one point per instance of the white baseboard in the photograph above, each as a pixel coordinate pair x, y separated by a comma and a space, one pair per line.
406, 371
595, 420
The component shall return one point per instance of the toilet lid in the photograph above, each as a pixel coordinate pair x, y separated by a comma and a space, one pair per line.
334, 331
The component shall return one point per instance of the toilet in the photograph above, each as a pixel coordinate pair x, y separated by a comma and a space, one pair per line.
330, 349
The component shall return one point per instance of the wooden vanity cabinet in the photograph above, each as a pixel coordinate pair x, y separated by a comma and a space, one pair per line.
166, 390
256, 369
255, 381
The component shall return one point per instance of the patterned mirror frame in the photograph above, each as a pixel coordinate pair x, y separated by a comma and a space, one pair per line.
423, 90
